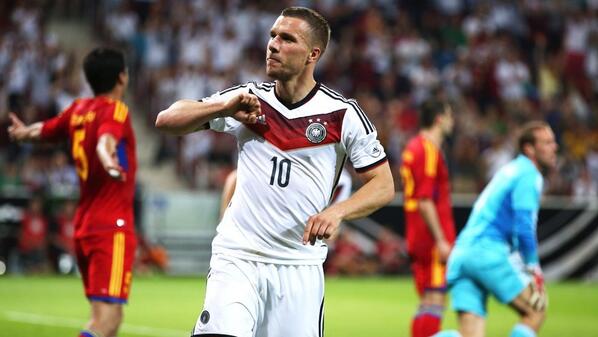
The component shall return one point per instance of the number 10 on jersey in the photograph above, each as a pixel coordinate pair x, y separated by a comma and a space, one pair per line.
281, 172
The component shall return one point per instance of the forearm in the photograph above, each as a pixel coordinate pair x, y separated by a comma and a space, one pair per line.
375, 193
427, 209
29, 133
106, 151
186, 116
526, 237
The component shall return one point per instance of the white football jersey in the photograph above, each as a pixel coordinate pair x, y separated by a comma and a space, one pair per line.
288, 167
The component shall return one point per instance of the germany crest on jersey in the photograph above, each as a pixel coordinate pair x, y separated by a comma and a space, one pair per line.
315, 132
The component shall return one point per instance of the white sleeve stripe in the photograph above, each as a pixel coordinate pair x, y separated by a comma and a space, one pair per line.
362, 116
361, 113
366, 124
353, 103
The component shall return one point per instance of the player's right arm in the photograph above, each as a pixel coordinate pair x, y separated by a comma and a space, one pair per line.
55, 128
19, 132
424, 164
427, 209
186, 116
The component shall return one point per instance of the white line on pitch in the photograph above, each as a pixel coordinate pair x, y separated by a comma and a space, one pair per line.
37, 319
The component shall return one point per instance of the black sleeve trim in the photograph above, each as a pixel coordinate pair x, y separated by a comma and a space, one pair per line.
371, 166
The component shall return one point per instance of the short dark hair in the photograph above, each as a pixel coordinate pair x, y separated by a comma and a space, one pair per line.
319, 26
429, 110
102, 66
527, 133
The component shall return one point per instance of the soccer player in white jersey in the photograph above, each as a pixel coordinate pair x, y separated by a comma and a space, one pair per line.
294, 135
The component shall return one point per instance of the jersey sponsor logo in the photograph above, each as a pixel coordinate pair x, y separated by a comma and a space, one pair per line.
316, 131
204, 317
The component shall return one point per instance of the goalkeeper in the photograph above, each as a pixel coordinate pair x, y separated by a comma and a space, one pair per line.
499, 235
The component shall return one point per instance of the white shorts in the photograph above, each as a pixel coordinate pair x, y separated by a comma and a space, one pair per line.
255, 299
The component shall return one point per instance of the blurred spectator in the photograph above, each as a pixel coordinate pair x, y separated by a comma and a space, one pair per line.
33, 237
584, 188
62, 177
499, 61
391, 252
62, 243
348, 258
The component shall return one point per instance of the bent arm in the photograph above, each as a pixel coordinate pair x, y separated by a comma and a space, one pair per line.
186, 116
427, 209
377, 191
526, 236
106, 150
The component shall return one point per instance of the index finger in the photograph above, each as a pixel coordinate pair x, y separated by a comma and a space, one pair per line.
307, 231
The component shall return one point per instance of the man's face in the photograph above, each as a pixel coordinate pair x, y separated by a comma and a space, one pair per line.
545, 148
288, 48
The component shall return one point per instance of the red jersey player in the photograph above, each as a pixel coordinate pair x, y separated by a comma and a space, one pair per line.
103, 149
428, 214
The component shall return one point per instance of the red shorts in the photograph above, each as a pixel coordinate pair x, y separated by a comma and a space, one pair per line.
428, 271
105, 262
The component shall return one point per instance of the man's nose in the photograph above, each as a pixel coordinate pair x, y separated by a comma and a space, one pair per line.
273, 45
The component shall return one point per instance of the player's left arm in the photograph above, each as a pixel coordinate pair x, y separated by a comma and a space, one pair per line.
526, 203
377, 191
111, 129
106, 151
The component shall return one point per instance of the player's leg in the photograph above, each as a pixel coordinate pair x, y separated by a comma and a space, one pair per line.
468, 297
106, 265
503, 276
430, 281
232, 304
469, 300
532, 316
105, 318
294, 302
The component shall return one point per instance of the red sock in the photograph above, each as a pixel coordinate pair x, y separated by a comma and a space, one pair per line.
425, 325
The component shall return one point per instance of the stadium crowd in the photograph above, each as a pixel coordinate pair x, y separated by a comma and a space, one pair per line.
500, 63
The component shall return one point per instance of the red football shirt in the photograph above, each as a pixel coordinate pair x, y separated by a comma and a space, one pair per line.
425, 175
34, 229
105, 204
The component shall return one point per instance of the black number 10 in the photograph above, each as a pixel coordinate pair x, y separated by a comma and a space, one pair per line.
282, 169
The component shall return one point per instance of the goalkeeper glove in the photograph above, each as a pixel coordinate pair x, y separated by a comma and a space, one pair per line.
538, 298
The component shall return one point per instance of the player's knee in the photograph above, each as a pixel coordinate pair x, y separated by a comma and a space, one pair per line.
111, 320
535, 318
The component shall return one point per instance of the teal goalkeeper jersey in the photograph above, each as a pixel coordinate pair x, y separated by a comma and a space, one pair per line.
507, 210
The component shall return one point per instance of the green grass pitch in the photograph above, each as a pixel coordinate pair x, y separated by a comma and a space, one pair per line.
355, 307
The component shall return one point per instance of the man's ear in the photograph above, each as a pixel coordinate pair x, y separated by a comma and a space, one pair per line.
314, 55
529, 151
122, 77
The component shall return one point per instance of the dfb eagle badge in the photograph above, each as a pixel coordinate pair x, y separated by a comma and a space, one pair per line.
316, 131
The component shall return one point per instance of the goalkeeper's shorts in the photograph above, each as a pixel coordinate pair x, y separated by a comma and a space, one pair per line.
476, 271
